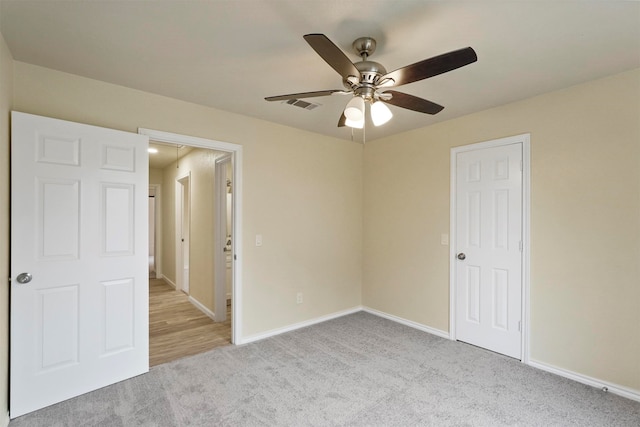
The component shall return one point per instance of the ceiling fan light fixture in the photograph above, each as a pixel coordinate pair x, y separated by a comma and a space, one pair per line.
359, 124
380, 113
354, 110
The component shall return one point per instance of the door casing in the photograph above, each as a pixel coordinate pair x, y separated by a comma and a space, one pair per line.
524, 140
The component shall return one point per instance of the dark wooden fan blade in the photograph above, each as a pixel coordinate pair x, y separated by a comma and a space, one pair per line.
302, 95
332, 55
432, 66
343, 120
414, 103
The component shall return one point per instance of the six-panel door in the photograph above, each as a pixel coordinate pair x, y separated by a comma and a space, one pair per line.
79, 227
489, 234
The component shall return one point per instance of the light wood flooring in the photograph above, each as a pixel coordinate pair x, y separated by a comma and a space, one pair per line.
177, 328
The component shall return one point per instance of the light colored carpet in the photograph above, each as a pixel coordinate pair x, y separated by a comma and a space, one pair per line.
358, 370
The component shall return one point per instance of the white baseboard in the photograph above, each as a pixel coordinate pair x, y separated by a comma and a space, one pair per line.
278, 331
202, 308
623, 391
407, 322
166, 279
192, 300
4, 419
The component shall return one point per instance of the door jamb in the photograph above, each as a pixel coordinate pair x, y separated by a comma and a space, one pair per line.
236, 161
523, 139
158, 228
220, 235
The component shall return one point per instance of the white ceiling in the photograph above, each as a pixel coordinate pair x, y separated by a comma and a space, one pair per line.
231, 54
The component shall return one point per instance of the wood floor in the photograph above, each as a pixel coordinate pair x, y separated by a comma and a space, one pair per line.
177, 328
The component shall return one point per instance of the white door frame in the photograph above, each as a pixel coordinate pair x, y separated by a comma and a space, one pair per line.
523, 139
179, 200
220, 234
158, 228
236, 158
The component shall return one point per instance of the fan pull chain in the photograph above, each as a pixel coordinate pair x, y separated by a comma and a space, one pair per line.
364, 133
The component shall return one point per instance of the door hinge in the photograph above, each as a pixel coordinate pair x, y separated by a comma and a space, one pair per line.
520, 245
521, 166
519, 326
235, 257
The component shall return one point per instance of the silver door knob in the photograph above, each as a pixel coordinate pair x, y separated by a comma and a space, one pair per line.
24, 278
461, 256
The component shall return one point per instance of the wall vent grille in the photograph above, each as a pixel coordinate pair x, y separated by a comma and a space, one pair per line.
302, 104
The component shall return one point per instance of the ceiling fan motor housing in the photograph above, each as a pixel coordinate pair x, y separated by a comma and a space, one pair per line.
370, 73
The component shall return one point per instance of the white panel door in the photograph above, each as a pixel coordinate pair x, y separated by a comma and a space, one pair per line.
488, 246
79, 229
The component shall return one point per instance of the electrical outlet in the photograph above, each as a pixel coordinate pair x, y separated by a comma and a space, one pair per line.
299, 298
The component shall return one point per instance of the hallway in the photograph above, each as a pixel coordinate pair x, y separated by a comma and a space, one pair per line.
177, 328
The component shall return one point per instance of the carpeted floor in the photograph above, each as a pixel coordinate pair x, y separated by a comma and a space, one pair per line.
358, 370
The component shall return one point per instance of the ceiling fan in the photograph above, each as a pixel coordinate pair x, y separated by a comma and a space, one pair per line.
368, 81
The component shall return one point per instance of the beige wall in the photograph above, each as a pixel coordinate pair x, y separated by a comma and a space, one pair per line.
585, 223
155, 176
302, 191
200, 164
6, 99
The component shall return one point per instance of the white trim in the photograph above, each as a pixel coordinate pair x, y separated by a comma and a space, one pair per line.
278, 331
406, 322
202, 308
169, 282
526, 246
523, 139
236, 151
623, 391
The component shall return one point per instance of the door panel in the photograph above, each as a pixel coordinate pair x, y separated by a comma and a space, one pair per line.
78, 225
489, 233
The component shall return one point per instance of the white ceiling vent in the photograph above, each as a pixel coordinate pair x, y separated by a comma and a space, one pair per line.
302, 104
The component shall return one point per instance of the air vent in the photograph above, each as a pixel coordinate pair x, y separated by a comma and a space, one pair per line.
302, 104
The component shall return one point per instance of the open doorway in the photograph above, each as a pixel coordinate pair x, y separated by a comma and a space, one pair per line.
184, 299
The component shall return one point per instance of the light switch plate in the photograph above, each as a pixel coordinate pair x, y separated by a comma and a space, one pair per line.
258, 239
